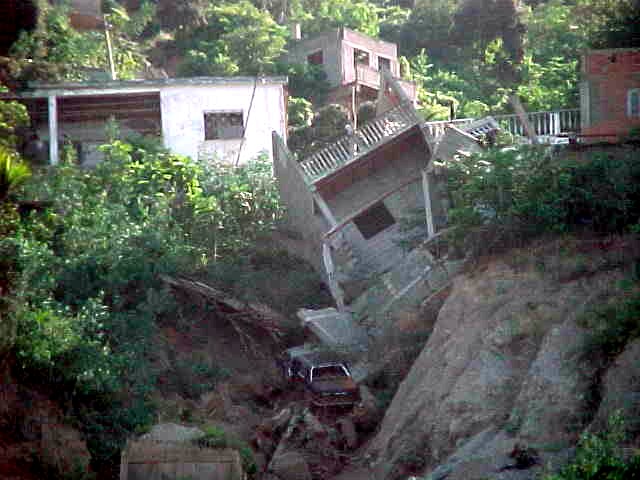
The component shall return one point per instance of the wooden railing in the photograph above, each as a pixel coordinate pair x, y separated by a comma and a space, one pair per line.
436, 129
544, 123
350, 147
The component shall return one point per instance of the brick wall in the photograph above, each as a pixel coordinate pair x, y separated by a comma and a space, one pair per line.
609, 75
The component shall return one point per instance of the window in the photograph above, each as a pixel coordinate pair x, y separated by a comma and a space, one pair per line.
315, 58
384, 64
633, 103
360, 57
374, 220
223, 125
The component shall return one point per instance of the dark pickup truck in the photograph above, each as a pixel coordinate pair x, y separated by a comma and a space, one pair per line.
326, 377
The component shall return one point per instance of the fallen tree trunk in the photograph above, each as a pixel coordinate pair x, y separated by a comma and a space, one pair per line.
254, 314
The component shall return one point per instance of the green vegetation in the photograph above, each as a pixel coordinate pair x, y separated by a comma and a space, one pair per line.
13, 172
458, 58
83, 273
613, 324
515, 192
599, 456
217, 438
80, 273
56, 51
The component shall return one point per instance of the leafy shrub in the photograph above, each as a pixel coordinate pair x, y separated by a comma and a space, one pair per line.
86, 295
215, 437
523, 191
612, 326
599, 456
13, 172
195, 378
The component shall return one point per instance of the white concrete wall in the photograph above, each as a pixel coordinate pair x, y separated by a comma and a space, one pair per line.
183, 109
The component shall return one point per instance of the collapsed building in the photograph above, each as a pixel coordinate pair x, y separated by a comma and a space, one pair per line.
350, 205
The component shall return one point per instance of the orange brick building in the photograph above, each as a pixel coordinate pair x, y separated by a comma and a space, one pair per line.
610, 92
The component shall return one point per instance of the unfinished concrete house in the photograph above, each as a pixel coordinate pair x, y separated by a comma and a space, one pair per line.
345, 203
353, 62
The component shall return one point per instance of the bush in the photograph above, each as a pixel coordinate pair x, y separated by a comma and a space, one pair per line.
524, 191
612, 326
86, 295
215, 437
599, 456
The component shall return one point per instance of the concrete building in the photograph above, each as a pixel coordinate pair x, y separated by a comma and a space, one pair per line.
228, 119
610, 93
353, 62
345, 203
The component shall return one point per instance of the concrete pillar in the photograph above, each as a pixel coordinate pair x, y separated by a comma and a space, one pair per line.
324, 208
53, 131
427, 203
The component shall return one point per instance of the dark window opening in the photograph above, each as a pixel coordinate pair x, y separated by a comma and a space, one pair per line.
315, 58
223, 125
374, 220
384, 64
633, 103
360, 57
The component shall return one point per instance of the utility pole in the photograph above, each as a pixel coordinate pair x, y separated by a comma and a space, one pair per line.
107, 36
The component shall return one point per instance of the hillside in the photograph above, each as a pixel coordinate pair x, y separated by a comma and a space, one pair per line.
519, 356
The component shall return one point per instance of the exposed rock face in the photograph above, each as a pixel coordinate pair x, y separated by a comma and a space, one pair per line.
502, 365
621, 390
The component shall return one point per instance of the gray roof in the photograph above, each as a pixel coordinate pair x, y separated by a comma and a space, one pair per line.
38, 89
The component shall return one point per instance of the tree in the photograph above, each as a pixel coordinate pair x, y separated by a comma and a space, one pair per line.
427, 27
237, 39
497, 24
359, 15
55, 51
328, 124
13, 118
621, 29
306, 81
182, 16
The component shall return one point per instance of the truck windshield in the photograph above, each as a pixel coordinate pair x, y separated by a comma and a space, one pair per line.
329, 371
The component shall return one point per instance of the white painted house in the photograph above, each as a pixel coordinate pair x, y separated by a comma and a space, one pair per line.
206, 118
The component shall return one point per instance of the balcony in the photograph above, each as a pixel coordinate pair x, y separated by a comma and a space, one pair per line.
349, 148
371, 77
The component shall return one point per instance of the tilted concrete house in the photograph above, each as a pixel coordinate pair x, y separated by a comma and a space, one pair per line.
353, 63
229, 119
610, 93
345, 202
